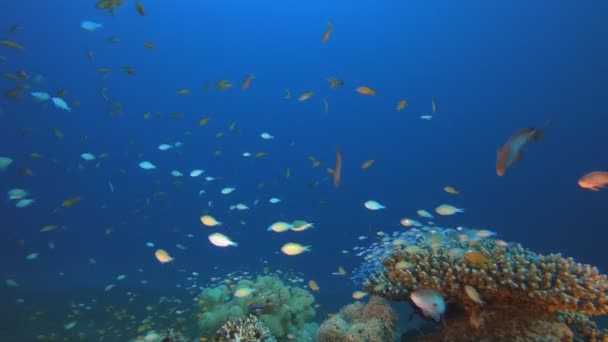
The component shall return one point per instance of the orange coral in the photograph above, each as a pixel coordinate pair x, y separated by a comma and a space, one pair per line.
501, 274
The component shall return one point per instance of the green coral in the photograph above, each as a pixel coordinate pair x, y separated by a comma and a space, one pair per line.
284, 309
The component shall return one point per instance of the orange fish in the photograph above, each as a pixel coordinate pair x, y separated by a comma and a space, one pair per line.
247, 81
338, 168
365, 90
594, 180
327, 33
512, 150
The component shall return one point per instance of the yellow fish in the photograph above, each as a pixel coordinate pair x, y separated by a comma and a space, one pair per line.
223, 84
451, 190
359, 294
292, 248
335, 82
209, 221
305, 95
401, 104
162, 256
313, 285
48, 228
203, 121
71, 201
12, 44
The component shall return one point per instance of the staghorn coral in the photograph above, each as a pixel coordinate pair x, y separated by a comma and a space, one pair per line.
501, 273
372, 322
244, 329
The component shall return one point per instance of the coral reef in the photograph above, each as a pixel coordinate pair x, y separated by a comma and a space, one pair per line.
501, 274
584, 328
244, 329
503, 323
283, 309
169, 335
535, 293
372, 322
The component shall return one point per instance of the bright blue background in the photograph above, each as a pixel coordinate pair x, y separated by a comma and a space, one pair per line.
493, 68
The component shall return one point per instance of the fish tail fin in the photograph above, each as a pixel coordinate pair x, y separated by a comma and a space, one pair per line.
539, 132
308, 248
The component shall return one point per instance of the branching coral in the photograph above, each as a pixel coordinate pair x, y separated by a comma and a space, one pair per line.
247, 329
500, 273
513, 281
373, 322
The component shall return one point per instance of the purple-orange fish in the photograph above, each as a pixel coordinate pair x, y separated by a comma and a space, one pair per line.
338, 169
594, 180
512, 150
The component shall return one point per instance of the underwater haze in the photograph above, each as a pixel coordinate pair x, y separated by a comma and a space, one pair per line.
124, 123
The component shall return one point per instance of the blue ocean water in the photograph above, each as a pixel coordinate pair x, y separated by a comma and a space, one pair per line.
492, 68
